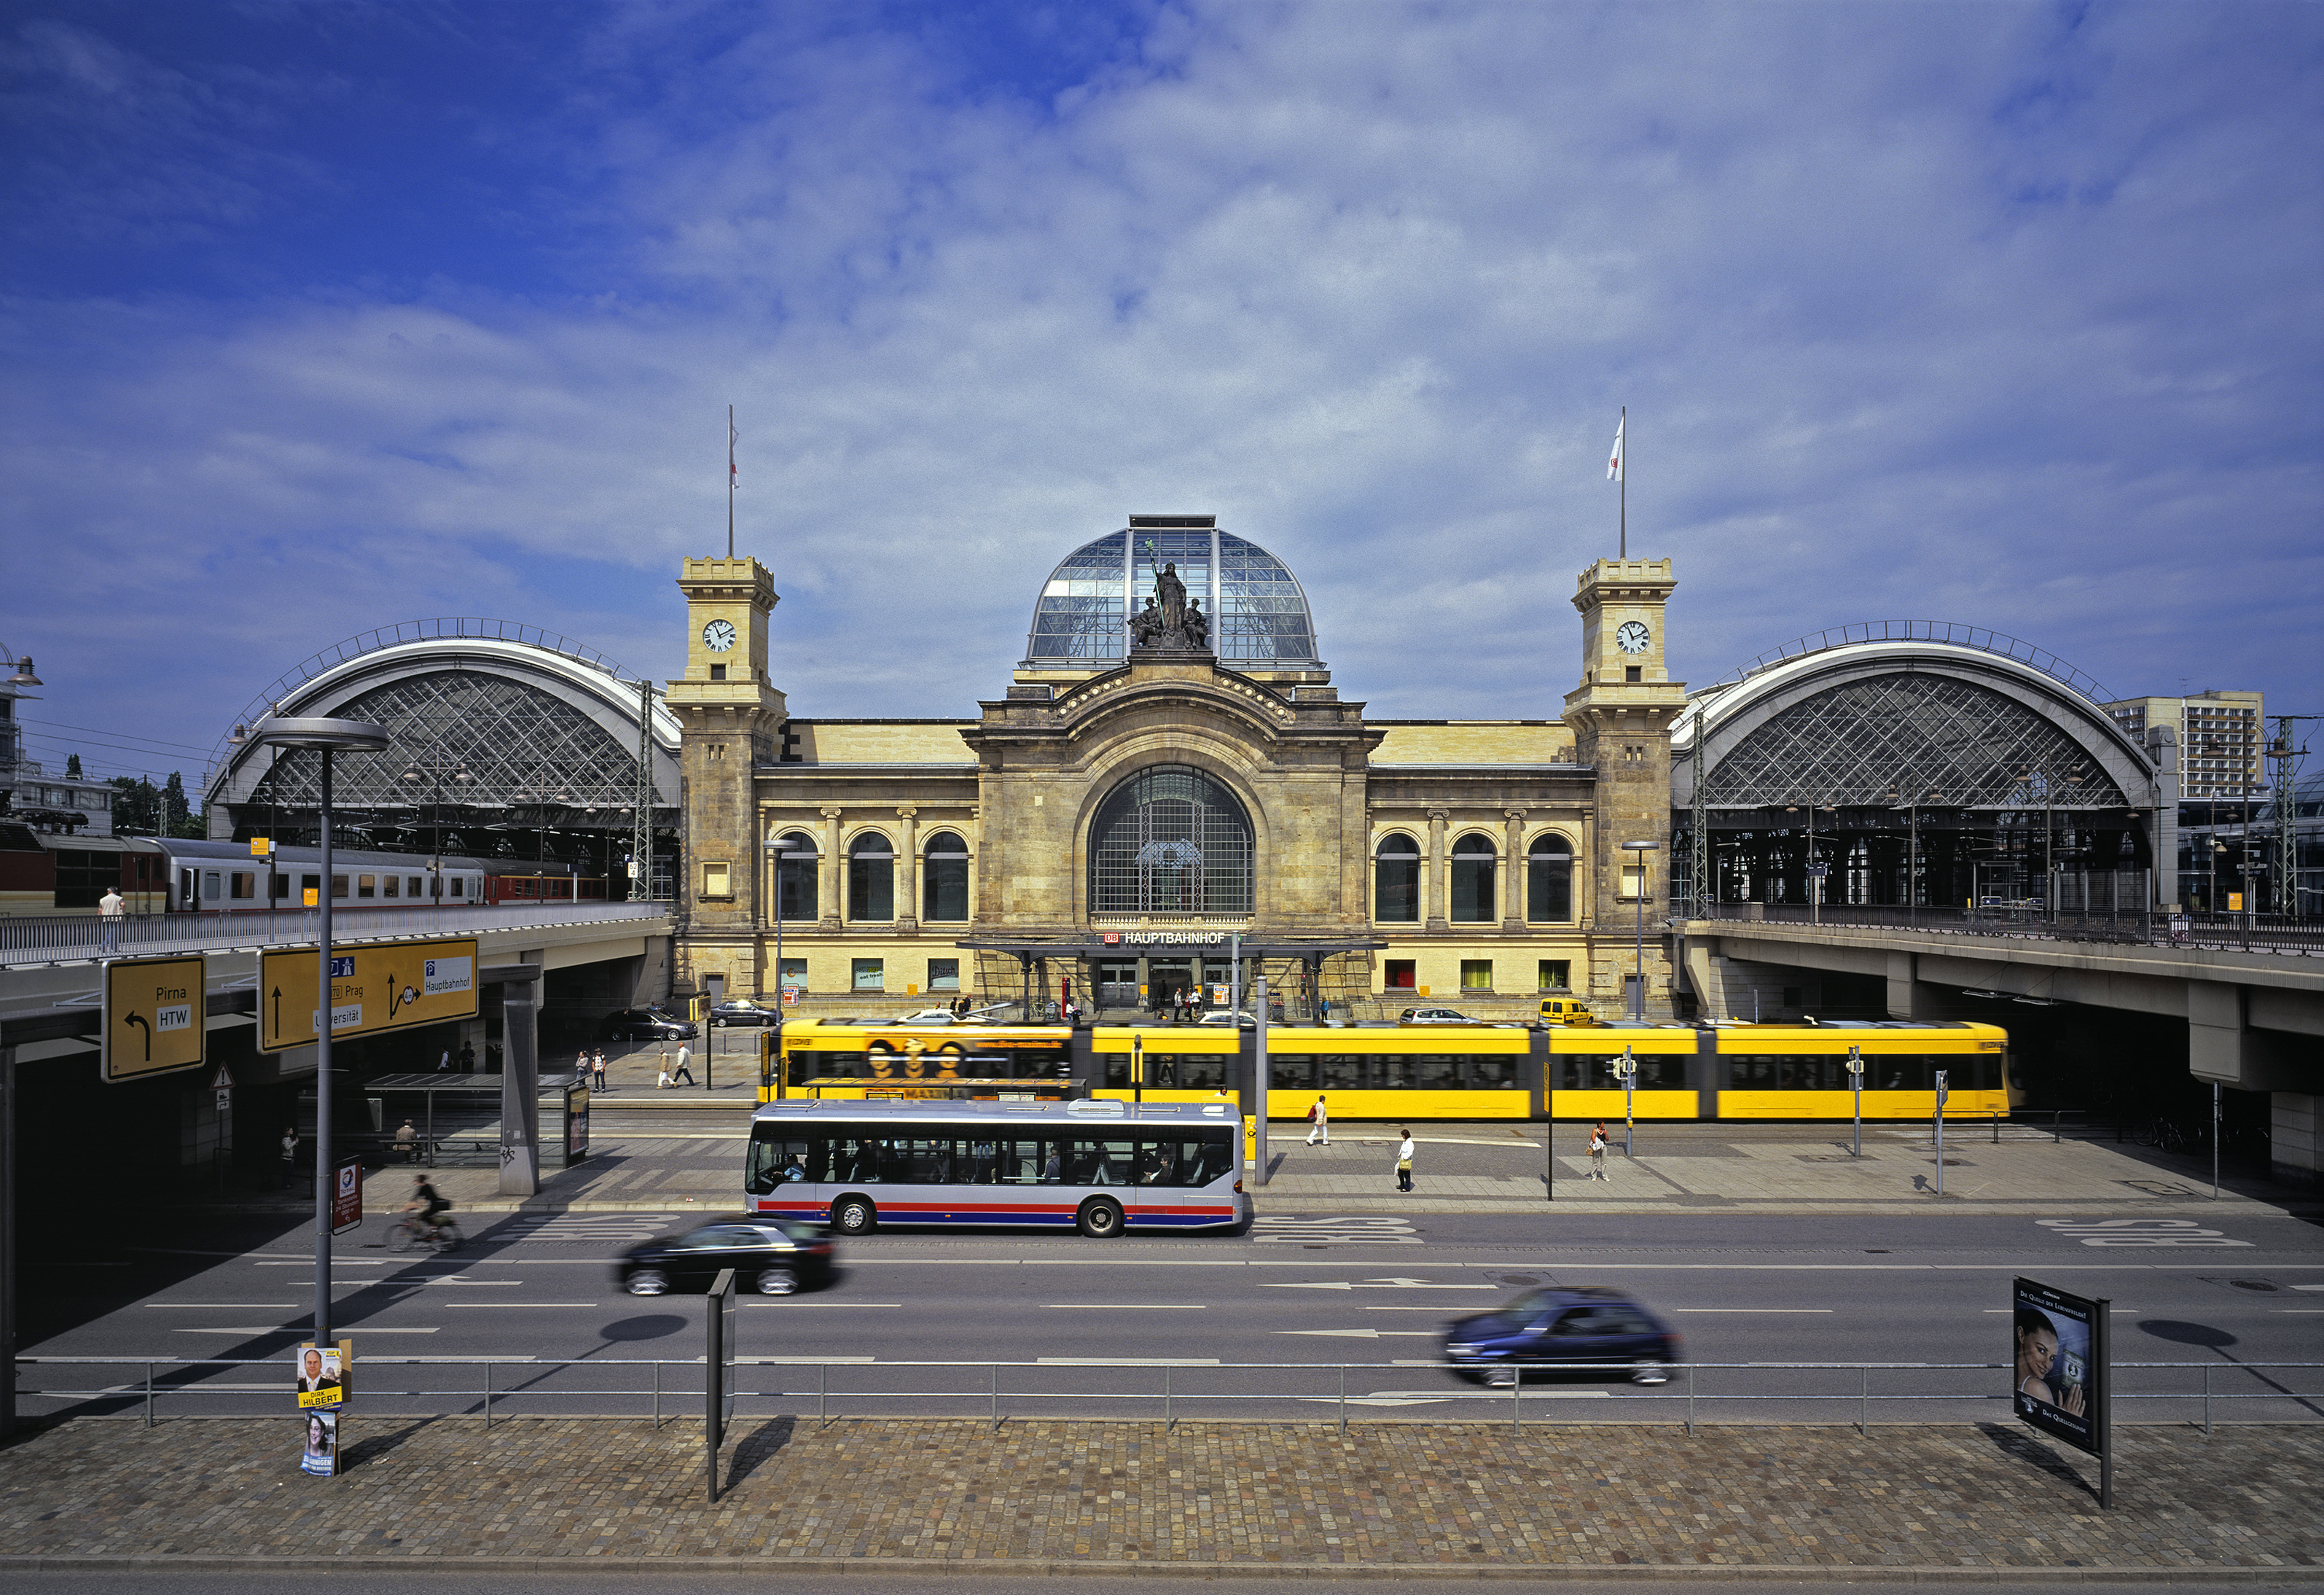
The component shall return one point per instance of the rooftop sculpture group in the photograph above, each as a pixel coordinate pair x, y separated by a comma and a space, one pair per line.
1170, 622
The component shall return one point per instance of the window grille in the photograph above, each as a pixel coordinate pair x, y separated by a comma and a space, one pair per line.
1171, 840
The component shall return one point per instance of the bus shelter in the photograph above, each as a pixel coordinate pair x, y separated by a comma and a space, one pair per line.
458, 1118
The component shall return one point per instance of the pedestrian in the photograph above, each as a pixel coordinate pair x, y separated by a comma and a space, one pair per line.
597, 1070
444, 1064
110, 908
290, 1156
685, 1057
407, 1142
1598, 1151
468, 1060
1404, 1162
1319, 1123
662, 1078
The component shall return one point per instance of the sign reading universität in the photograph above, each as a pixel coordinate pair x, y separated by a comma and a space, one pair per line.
373, 988
154, 1012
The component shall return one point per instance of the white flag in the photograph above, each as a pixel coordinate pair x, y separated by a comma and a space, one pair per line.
1614, 460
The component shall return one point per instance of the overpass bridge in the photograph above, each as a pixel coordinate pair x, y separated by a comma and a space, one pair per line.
2254, 1016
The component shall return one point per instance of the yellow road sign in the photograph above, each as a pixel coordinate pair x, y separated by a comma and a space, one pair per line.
154, 1009
373, 988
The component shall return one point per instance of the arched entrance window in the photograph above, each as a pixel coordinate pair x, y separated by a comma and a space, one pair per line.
870, 878
796, 876
1170, 839
1549, 881
1472, 886
944, 894
1396, 880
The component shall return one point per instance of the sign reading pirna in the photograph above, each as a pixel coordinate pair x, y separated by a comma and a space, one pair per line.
2057, 1370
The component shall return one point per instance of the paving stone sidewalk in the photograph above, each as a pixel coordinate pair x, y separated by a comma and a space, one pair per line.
1964, 1501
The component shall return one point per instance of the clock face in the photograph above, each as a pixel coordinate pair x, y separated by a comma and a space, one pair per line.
1632, 637
718, 635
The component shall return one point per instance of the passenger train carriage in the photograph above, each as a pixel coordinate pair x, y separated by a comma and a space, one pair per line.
1726, 1071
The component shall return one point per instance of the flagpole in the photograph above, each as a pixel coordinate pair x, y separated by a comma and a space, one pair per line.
730, 481
1623, 478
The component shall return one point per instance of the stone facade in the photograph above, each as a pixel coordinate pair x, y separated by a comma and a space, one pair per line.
1322, 788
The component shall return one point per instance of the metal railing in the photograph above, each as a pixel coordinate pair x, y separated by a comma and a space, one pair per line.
2131, 927
1681, 1389
53, 938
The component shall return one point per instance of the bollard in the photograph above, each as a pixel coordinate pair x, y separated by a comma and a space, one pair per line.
148, 1398
823, 1394
2207, 1398
656, 1368
1690, 1398
1863, 1396
1168, 1422
488, 1395
1344, 1398
1996, 1129
996, 1394
1516, 1389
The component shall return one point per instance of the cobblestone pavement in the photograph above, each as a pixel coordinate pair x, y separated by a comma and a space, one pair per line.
1968, 1501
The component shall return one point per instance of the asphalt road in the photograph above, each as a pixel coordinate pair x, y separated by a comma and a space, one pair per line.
1101, 1320
767, 1573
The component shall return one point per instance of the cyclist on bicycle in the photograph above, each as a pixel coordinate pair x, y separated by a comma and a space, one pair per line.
429, 1204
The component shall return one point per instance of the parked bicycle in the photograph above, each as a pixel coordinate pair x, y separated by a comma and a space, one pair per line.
410, 1231
2164, 1137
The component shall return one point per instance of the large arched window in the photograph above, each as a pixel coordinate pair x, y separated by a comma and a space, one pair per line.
1549, 881
1472, 886
870, 878
1396, 880
1170, 839
943, 894
795, 876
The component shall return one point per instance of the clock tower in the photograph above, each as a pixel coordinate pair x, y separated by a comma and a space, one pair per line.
732, 716
1621, 716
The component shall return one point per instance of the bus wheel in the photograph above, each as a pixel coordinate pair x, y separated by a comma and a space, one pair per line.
1101, 1218
852, 1215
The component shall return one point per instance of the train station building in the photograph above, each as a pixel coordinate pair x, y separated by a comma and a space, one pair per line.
1168, 778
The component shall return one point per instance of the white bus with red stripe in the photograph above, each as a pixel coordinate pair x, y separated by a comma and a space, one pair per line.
1100, 1167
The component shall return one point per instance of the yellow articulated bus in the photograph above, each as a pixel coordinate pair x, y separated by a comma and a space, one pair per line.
1729, 1070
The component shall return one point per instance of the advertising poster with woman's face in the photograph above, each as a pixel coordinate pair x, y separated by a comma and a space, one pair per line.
2054, 1378
321, 1455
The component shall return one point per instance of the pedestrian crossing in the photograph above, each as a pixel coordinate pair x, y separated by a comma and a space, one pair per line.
582, 1228
1369, 1231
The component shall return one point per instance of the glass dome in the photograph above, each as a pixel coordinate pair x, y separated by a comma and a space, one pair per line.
1259, 612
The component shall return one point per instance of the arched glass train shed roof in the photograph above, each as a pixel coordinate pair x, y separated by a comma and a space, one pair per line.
490, 720
1902, 712
1258, 611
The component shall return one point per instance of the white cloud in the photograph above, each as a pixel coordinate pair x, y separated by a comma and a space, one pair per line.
2002, 315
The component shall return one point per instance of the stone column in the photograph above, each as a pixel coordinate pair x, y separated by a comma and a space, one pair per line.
833, 873
1438, 901
520, 1089
1513, 876
908, 909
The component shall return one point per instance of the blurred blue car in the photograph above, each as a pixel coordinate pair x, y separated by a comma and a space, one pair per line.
1559, 1326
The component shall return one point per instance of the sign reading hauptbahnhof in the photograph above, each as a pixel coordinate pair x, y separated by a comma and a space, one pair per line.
373, 988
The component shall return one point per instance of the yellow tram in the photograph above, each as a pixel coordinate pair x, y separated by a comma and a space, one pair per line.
1726, 1071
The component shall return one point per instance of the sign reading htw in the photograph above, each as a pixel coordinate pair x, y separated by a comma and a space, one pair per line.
373, 988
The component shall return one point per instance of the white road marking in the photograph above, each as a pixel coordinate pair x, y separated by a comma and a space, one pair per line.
804, 1362
1127, 1306
1367, 1334
1752, 1310
793, 1302
1128, 1361
336, 1263
1372, 1284
458, 1305
232, 1306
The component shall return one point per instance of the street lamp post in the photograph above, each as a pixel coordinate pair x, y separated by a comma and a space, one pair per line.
1638, 999
1628, 1069
326, 737
779, 853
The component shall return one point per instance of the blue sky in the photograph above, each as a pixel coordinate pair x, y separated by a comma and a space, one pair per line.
322, 317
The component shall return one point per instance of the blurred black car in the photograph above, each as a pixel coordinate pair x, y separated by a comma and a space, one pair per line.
742, 1011
773, 1257
645, 1024
1562, 1325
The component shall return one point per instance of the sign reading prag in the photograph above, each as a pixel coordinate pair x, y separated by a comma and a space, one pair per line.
392, 986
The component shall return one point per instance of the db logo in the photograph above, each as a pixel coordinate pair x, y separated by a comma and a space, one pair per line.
1112, 940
